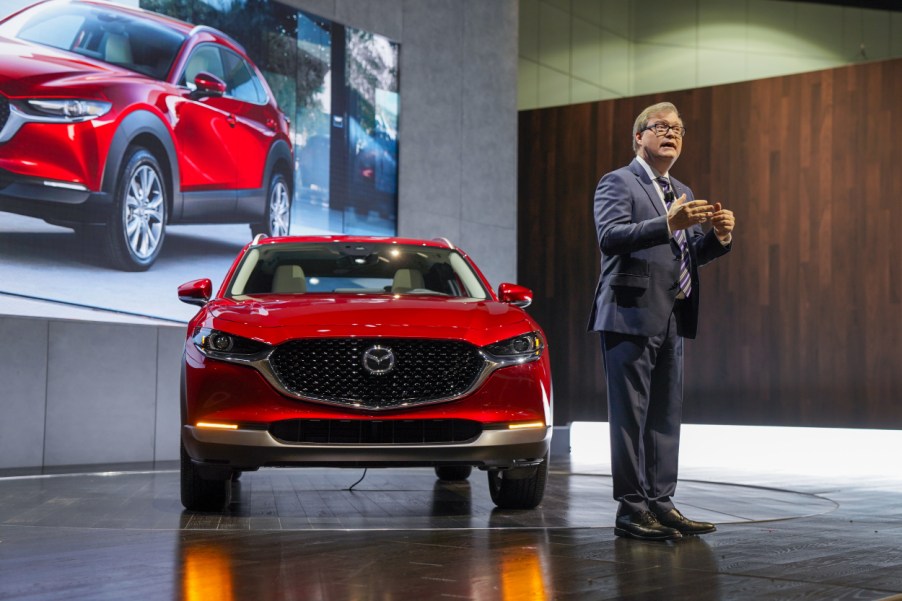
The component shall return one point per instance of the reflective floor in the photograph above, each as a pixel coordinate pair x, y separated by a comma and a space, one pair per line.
401, 534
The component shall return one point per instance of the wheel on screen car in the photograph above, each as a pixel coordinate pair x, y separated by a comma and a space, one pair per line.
137, 224
278, 209
453, 473
199, 494
519, 488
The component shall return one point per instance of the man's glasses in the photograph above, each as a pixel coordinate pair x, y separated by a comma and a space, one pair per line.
662, 128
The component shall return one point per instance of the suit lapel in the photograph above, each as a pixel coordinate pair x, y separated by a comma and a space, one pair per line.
647, 185
679, 188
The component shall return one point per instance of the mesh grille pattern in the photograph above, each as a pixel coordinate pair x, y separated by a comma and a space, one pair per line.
331, 369
4, 110
346, 431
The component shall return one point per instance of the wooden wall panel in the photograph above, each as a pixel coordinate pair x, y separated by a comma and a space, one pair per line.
802, 322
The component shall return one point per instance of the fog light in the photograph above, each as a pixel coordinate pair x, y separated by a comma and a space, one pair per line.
525, 425
217, 426
64, 185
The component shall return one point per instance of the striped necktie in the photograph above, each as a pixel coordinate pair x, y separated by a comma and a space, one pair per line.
680, 237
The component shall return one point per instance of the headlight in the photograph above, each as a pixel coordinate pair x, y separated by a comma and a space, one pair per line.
69, 110
519, 349
222, 345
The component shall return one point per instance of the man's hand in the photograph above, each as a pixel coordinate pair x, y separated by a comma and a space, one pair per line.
684, 214
723, 222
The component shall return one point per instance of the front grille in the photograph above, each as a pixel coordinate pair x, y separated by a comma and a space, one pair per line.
402, 431
332, 370
4, 111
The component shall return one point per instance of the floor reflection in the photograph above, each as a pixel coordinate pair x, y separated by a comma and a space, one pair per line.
479, 565
206, 573
674, 565
401, 534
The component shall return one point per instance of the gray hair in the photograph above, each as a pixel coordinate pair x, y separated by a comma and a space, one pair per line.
642, 120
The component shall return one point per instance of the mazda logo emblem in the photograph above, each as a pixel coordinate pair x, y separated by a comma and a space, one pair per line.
378, 360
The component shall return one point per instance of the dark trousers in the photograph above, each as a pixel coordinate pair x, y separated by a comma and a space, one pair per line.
645, 401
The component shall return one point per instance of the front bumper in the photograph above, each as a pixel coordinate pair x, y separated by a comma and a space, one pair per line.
52, 200
218, 451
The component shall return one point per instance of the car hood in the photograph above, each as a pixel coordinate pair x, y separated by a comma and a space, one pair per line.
29, 69
276, 318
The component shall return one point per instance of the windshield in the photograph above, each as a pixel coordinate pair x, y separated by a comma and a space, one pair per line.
99, 33
354, 268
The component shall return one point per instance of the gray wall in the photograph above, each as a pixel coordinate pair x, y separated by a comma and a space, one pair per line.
80, 392
83, 392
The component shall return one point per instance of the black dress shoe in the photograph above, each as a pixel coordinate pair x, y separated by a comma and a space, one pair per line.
676, 520
643, 525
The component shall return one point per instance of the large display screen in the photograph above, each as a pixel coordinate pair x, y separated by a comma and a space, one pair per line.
89, 122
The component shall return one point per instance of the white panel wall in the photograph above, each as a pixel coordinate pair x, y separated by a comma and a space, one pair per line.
23, 391
87, 392
574, 51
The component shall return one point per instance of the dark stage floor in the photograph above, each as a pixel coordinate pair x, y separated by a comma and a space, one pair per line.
400, 534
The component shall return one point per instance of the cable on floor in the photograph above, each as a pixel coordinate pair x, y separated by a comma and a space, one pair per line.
351, 487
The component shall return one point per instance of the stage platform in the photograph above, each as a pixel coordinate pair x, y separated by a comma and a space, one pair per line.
119, 532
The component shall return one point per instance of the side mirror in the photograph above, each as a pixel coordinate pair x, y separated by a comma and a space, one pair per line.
208, 85
197, 292
519, 296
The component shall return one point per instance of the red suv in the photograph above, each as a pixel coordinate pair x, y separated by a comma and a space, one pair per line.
352, 351
126, 119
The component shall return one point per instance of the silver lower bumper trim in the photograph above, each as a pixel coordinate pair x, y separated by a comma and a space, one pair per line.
251, 449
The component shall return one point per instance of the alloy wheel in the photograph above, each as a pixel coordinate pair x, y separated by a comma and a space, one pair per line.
144, 212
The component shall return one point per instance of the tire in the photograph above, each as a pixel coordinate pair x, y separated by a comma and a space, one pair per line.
518, 493
278, 209
137, 225
453, 473
199, 494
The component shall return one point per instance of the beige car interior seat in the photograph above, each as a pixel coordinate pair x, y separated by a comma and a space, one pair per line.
289, 279
406, 280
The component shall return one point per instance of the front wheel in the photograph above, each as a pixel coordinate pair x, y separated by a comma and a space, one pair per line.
137, 224
453, 473
199, 494
519, 488
278, 209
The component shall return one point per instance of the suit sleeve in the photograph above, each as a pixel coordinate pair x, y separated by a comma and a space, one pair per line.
707, 246
619, 231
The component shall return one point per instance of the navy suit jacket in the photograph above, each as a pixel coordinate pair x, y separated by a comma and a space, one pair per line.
640, 261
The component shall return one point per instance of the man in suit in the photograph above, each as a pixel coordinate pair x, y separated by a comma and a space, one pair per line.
647, 300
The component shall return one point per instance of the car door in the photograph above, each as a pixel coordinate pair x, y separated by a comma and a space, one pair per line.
205, 128
255, 125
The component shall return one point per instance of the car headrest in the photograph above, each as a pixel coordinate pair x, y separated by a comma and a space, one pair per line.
116, 49
289, 279
406, 280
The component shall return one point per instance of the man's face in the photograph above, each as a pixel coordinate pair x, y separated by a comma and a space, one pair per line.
659, 148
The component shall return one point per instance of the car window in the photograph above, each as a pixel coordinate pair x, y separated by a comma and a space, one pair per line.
206, 58
354, 268
117, 38
240, 80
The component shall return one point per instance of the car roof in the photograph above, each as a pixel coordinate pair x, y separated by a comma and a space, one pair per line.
348, 239
183, 27
171, 22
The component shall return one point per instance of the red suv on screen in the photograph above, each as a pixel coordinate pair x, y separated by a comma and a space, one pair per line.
129, 120
351, 352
